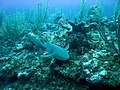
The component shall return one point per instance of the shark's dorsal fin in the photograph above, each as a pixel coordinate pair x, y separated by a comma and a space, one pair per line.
67, 46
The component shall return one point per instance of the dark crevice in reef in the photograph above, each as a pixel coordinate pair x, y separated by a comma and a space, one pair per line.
102, 87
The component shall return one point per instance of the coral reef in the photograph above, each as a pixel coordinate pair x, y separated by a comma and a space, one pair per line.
94, 53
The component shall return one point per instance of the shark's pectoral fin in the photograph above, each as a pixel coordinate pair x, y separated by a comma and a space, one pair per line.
47, 56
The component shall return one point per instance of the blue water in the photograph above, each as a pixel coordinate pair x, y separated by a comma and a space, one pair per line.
69, 7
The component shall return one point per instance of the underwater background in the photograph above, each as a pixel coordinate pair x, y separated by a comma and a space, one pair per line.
66, 5
59, 44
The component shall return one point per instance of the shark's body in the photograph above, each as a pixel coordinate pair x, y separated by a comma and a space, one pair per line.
53, 50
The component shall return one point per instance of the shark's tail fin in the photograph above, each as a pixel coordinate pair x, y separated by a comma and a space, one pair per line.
35, 40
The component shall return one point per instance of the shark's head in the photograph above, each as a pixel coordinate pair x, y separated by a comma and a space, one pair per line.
64, 55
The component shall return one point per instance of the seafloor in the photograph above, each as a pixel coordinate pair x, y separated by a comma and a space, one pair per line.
94, 53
